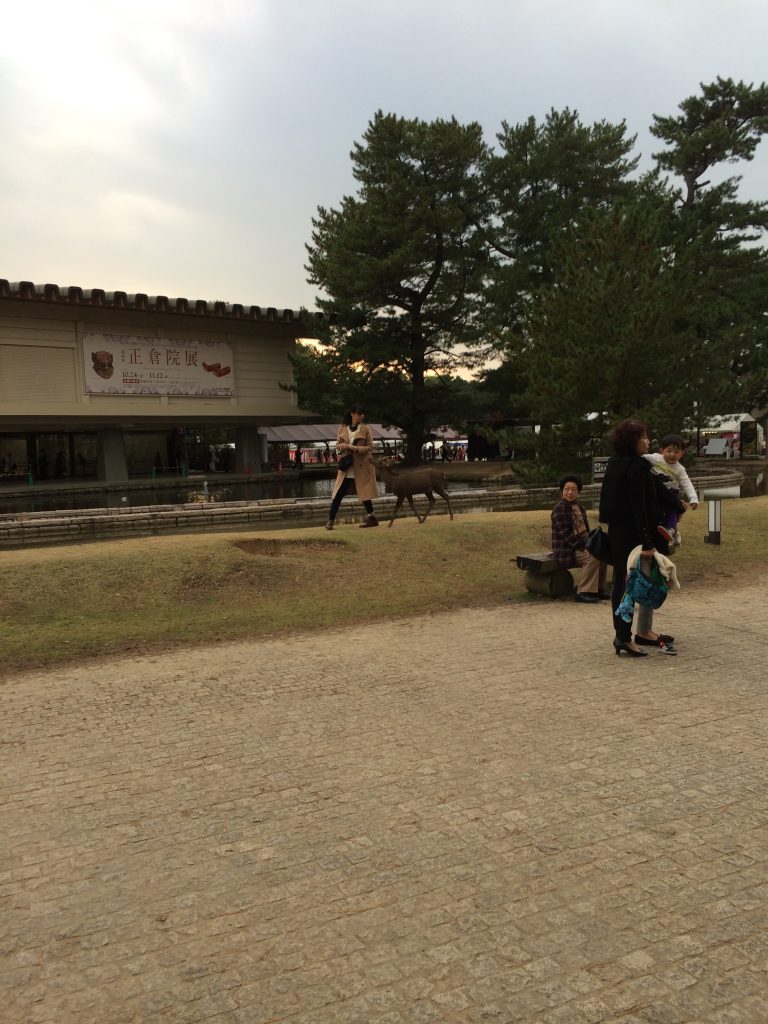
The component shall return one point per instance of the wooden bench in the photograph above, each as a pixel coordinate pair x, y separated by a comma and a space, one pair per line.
544, 576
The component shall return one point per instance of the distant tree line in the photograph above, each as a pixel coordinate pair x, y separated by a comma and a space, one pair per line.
578, 290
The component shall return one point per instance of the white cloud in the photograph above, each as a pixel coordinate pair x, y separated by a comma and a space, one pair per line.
181, 146
133, 214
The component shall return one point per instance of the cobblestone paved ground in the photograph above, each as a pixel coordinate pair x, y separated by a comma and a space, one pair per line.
476, 817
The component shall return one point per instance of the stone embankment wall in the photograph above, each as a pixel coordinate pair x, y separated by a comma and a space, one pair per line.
19, 529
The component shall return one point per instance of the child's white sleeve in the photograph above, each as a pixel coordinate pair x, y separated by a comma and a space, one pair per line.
685, 481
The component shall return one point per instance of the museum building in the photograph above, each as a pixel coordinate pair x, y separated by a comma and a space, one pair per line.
112, 385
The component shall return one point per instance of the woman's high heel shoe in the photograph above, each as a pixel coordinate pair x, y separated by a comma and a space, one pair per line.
622, 645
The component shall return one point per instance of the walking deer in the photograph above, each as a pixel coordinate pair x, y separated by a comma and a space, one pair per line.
404, 483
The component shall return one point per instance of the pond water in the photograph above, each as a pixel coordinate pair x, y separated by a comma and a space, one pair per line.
751, 487
180, 493
176, 494
258, 490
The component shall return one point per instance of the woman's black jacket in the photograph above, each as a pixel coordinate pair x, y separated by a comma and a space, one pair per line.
629, 499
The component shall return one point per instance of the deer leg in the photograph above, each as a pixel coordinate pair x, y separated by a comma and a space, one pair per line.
444, 494
413, 507
398, 506
431, 500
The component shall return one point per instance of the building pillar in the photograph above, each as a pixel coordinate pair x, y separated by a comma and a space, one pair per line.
250, 450
31, 443
112, 464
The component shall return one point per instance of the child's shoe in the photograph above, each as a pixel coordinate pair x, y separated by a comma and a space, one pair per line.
668, 535
677, 538
666, 648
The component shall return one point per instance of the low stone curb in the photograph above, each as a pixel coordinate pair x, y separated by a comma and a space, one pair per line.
18, 529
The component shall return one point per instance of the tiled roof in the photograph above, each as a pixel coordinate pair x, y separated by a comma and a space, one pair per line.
75, 296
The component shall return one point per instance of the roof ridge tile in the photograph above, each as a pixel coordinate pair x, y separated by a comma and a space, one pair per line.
119, 299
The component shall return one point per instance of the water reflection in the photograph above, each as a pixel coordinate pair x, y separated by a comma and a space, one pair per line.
176, 494
180, 492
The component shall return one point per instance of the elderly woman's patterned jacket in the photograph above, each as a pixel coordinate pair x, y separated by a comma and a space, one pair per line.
565, 539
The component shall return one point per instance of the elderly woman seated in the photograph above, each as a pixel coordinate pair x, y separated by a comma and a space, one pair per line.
570, 527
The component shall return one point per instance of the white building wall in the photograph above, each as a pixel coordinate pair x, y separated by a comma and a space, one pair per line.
41, 369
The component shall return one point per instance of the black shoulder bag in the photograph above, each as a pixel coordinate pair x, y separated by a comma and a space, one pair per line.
599, 546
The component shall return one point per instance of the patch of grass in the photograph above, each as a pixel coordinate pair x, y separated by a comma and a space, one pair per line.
61, 604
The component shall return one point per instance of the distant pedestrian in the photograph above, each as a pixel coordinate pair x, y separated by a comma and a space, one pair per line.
354, 442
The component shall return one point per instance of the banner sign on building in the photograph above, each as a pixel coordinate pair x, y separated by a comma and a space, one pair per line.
124, 364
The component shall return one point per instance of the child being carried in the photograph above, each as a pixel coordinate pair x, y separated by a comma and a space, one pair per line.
667, 464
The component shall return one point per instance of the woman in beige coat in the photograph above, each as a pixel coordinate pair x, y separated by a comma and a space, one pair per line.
354, 438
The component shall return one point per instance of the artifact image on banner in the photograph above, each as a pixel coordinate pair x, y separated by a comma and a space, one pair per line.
124, 364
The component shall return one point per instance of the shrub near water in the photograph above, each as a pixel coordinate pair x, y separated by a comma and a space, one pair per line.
58, 604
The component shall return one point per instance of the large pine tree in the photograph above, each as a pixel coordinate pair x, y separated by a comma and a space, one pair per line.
654, 303
401, 265
723, 125
544, 176
615, 336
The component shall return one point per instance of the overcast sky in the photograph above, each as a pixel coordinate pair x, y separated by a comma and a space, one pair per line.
181, 147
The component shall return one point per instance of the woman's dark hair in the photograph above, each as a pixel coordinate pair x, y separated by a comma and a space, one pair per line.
355, 407
572, 480
625, 436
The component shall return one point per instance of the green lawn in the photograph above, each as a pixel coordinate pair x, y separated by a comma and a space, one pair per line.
61, 604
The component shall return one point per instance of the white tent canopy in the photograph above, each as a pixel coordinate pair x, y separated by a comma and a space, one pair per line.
729, 423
